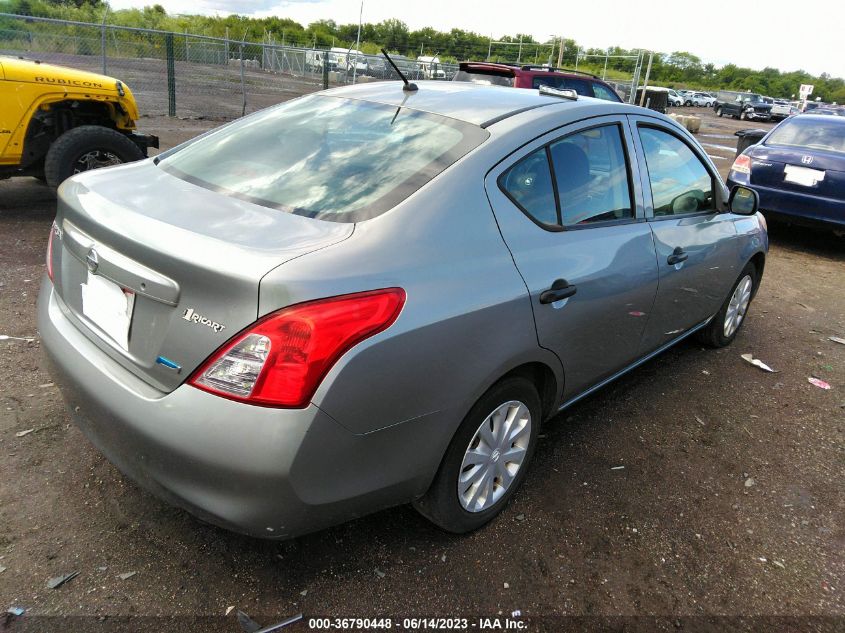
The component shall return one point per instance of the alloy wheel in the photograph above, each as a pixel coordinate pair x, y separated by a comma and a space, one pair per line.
738, 306
494, 456
94, 160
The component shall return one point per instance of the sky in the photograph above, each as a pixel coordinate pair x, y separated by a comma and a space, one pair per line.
749, 33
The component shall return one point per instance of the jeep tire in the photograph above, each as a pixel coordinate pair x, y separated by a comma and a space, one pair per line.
87, 147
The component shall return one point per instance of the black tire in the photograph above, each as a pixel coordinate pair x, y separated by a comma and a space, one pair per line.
441, 504
688, 103
70, 147
713, 334
743, 116
719, 112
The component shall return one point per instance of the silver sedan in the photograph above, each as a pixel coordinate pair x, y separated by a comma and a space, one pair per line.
370, 296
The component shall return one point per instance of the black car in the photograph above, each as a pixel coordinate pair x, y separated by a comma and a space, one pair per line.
742, 105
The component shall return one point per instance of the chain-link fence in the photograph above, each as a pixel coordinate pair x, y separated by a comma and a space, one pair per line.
188, 75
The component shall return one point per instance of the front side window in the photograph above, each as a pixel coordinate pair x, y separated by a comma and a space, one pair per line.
591, 175
680, 183
323, 157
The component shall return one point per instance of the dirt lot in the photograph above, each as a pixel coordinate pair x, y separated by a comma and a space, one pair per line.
730, 503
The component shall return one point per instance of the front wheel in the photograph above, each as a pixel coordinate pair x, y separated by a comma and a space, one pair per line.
723, 328
87, 147
688, 103
719, 112
487, 459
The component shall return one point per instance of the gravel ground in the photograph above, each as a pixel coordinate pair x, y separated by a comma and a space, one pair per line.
729, 501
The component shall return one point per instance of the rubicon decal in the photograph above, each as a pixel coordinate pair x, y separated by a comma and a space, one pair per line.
69, 82
194, 317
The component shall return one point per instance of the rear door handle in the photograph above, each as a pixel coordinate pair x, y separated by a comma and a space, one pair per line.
677, 256
561, 289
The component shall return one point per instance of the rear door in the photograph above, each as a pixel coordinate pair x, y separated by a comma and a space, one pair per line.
695, 243
569, 208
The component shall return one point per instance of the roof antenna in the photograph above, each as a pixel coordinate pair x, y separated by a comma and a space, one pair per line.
408, 87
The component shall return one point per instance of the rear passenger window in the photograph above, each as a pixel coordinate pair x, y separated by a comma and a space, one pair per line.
680, 183
529, 185
587, 181
592, 176
581, 86
603, 92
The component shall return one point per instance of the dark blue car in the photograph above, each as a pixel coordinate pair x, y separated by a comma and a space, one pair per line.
798, 169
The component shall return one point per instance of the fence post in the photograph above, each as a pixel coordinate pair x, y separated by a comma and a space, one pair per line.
171, 76
243, 81
103, 47
325, 70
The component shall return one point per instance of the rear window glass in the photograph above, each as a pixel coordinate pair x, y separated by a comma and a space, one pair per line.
326, 157
489, 78
828, 135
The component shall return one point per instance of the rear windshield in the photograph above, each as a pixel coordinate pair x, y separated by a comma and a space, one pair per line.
485, 77
326, 157
810, 132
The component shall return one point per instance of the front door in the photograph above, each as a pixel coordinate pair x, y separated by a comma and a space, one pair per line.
695, 242
569, 208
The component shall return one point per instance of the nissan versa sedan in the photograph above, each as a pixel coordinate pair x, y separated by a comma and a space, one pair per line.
372, 295
798, 170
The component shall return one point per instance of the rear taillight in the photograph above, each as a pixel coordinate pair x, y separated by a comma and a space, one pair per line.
53, 230
742, 164
280, 361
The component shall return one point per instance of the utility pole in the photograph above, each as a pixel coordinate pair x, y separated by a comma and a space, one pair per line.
606, 53
560, 53
490, 48
519, 55
357, 44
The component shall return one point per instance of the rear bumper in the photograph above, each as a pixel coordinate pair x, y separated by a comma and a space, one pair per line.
265, 472
796, 206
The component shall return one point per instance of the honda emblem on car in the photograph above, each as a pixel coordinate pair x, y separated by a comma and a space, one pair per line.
806, 159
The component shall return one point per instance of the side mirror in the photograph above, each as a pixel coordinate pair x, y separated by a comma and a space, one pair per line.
743, 201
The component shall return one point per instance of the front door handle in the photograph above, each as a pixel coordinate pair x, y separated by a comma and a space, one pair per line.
561, 289
677, 256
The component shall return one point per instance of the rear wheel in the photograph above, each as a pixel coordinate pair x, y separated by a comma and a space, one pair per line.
722, 330
87, 147
743, 116
719, 112
487, 459
688, 103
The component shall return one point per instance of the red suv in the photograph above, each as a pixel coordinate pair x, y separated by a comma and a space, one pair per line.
518, 76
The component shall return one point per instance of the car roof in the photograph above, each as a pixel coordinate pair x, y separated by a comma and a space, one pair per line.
473, 103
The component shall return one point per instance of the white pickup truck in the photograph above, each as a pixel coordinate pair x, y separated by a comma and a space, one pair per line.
781, 108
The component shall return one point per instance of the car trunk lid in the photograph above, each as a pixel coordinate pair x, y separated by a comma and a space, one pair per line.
188, 261
785, 167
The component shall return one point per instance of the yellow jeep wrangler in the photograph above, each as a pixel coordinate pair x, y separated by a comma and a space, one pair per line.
56, 122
